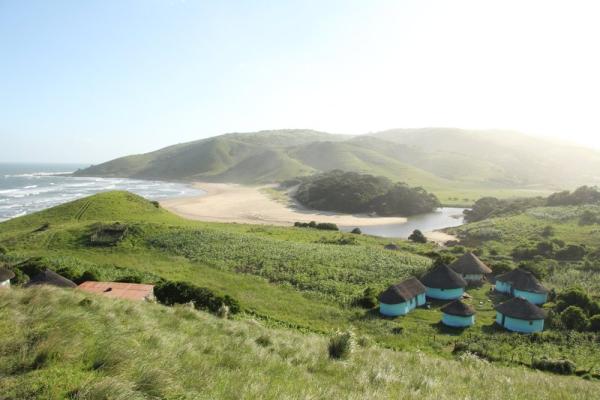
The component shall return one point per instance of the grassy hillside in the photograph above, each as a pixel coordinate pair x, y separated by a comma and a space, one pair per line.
59, 344
457, 165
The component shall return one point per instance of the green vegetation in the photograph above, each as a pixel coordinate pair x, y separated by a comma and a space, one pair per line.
459, 166
350, 192
59, 344
299, 284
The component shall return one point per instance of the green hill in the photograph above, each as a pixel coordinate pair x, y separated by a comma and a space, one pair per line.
458, 165
64, 344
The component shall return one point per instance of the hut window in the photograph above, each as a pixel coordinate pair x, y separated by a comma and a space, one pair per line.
530, 322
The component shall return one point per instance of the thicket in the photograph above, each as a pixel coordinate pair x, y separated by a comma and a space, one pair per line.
324, 226
170, 293
351, 192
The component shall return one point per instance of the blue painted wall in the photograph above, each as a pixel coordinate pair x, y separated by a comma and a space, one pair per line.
535, 298
393, 310
519, 325
503, 287
444, 294
457, 321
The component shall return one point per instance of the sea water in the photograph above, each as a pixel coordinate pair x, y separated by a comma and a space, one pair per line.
27, 188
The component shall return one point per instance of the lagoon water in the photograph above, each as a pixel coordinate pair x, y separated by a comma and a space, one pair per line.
27, 188
444, 217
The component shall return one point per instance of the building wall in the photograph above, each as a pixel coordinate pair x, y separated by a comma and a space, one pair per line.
393, 310
503, 287
5, 284
519, 325
458, 321
535, 298
444, 294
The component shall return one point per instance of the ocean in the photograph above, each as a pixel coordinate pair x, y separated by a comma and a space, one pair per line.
27, 188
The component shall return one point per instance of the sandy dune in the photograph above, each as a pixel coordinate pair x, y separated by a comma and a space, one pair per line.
247, 204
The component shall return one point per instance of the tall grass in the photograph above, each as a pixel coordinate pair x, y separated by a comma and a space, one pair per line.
57, 344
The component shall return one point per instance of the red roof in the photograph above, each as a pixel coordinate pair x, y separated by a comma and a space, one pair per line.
130, 291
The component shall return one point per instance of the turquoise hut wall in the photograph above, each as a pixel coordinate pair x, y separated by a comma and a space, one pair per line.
393, 310
458, 321
519, 325
444, 294
535, 298
503, 287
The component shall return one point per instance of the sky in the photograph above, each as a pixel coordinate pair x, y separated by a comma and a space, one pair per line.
87, 81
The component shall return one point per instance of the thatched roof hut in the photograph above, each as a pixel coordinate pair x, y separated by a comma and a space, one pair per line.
522, 280
6, 274
402, 292
458, 308
442, 277
520, 315
49, 277
470, 264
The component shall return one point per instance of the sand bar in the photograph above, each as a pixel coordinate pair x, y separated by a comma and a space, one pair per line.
225, 202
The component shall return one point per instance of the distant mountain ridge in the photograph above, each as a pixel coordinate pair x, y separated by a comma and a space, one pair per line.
435, 158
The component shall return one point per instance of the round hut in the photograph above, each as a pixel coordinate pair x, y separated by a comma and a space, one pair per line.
5, 276
443, 283
470, 267
521, 283
458, 314
401, 298
49, 277
520, 315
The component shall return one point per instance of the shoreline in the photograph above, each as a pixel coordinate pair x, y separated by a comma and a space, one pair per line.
235, 203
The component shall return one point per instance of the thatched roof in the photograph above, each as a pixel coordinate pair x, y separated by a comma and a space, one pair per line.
520, 308
442, 277
522, 280
459, 308
6, 274
403, 291
49, 277
468, 263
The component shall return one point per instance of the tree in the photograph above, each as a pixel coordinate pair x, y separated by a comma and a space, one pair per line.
574, 318
417, 237
356, 231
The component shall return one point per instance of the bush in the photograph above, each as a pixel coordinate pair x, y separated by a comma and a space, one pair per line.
574, 318
577, 297
170, 293
368, 299
356, 231
263, 341
341, 345
417, 237
548, 231
325, 226
563, 367
595, 323
571, 252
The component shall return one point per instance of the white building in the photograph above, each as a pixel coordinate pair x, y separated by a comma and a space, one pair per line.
5, 276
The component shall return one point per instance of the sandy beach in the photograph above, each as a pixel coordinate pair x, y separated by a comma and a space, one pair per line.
226, 202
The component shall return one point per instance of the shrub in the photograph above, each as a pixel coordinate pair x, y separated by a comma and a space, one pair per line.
327, 226
577, 297
571, 252
548, 231
501, 267
574, 318
341, 345
170, 293
263, 341
417, 237
368, 299
356, 231
595, 323
563, 367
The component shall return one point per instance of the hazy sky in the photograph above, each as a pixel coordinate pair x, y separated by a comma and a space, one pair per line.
91, 80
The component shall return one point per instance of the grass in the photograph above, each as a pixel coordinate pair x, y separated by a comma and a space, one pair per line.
284, 277
58, 344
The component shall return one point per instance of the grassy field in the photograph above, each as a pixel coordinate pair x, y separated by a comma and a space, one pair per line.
58, 344
294, 278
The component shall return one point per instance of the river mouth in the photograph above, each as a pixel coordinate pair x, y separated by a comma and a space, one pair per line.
443, 217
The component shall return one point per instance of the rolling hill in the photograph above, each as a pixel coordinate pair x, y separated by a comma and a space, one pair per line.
439, 159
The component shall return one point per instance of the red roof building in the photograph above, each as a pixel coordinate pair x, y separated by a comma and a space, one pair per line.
120, 290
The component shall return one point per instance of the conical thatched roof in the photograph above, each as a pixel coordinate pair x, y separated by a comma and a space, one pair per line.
522, 280
468, 263
459, 308
6, 274
49, 277
403, 291
520, 308
442, 277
